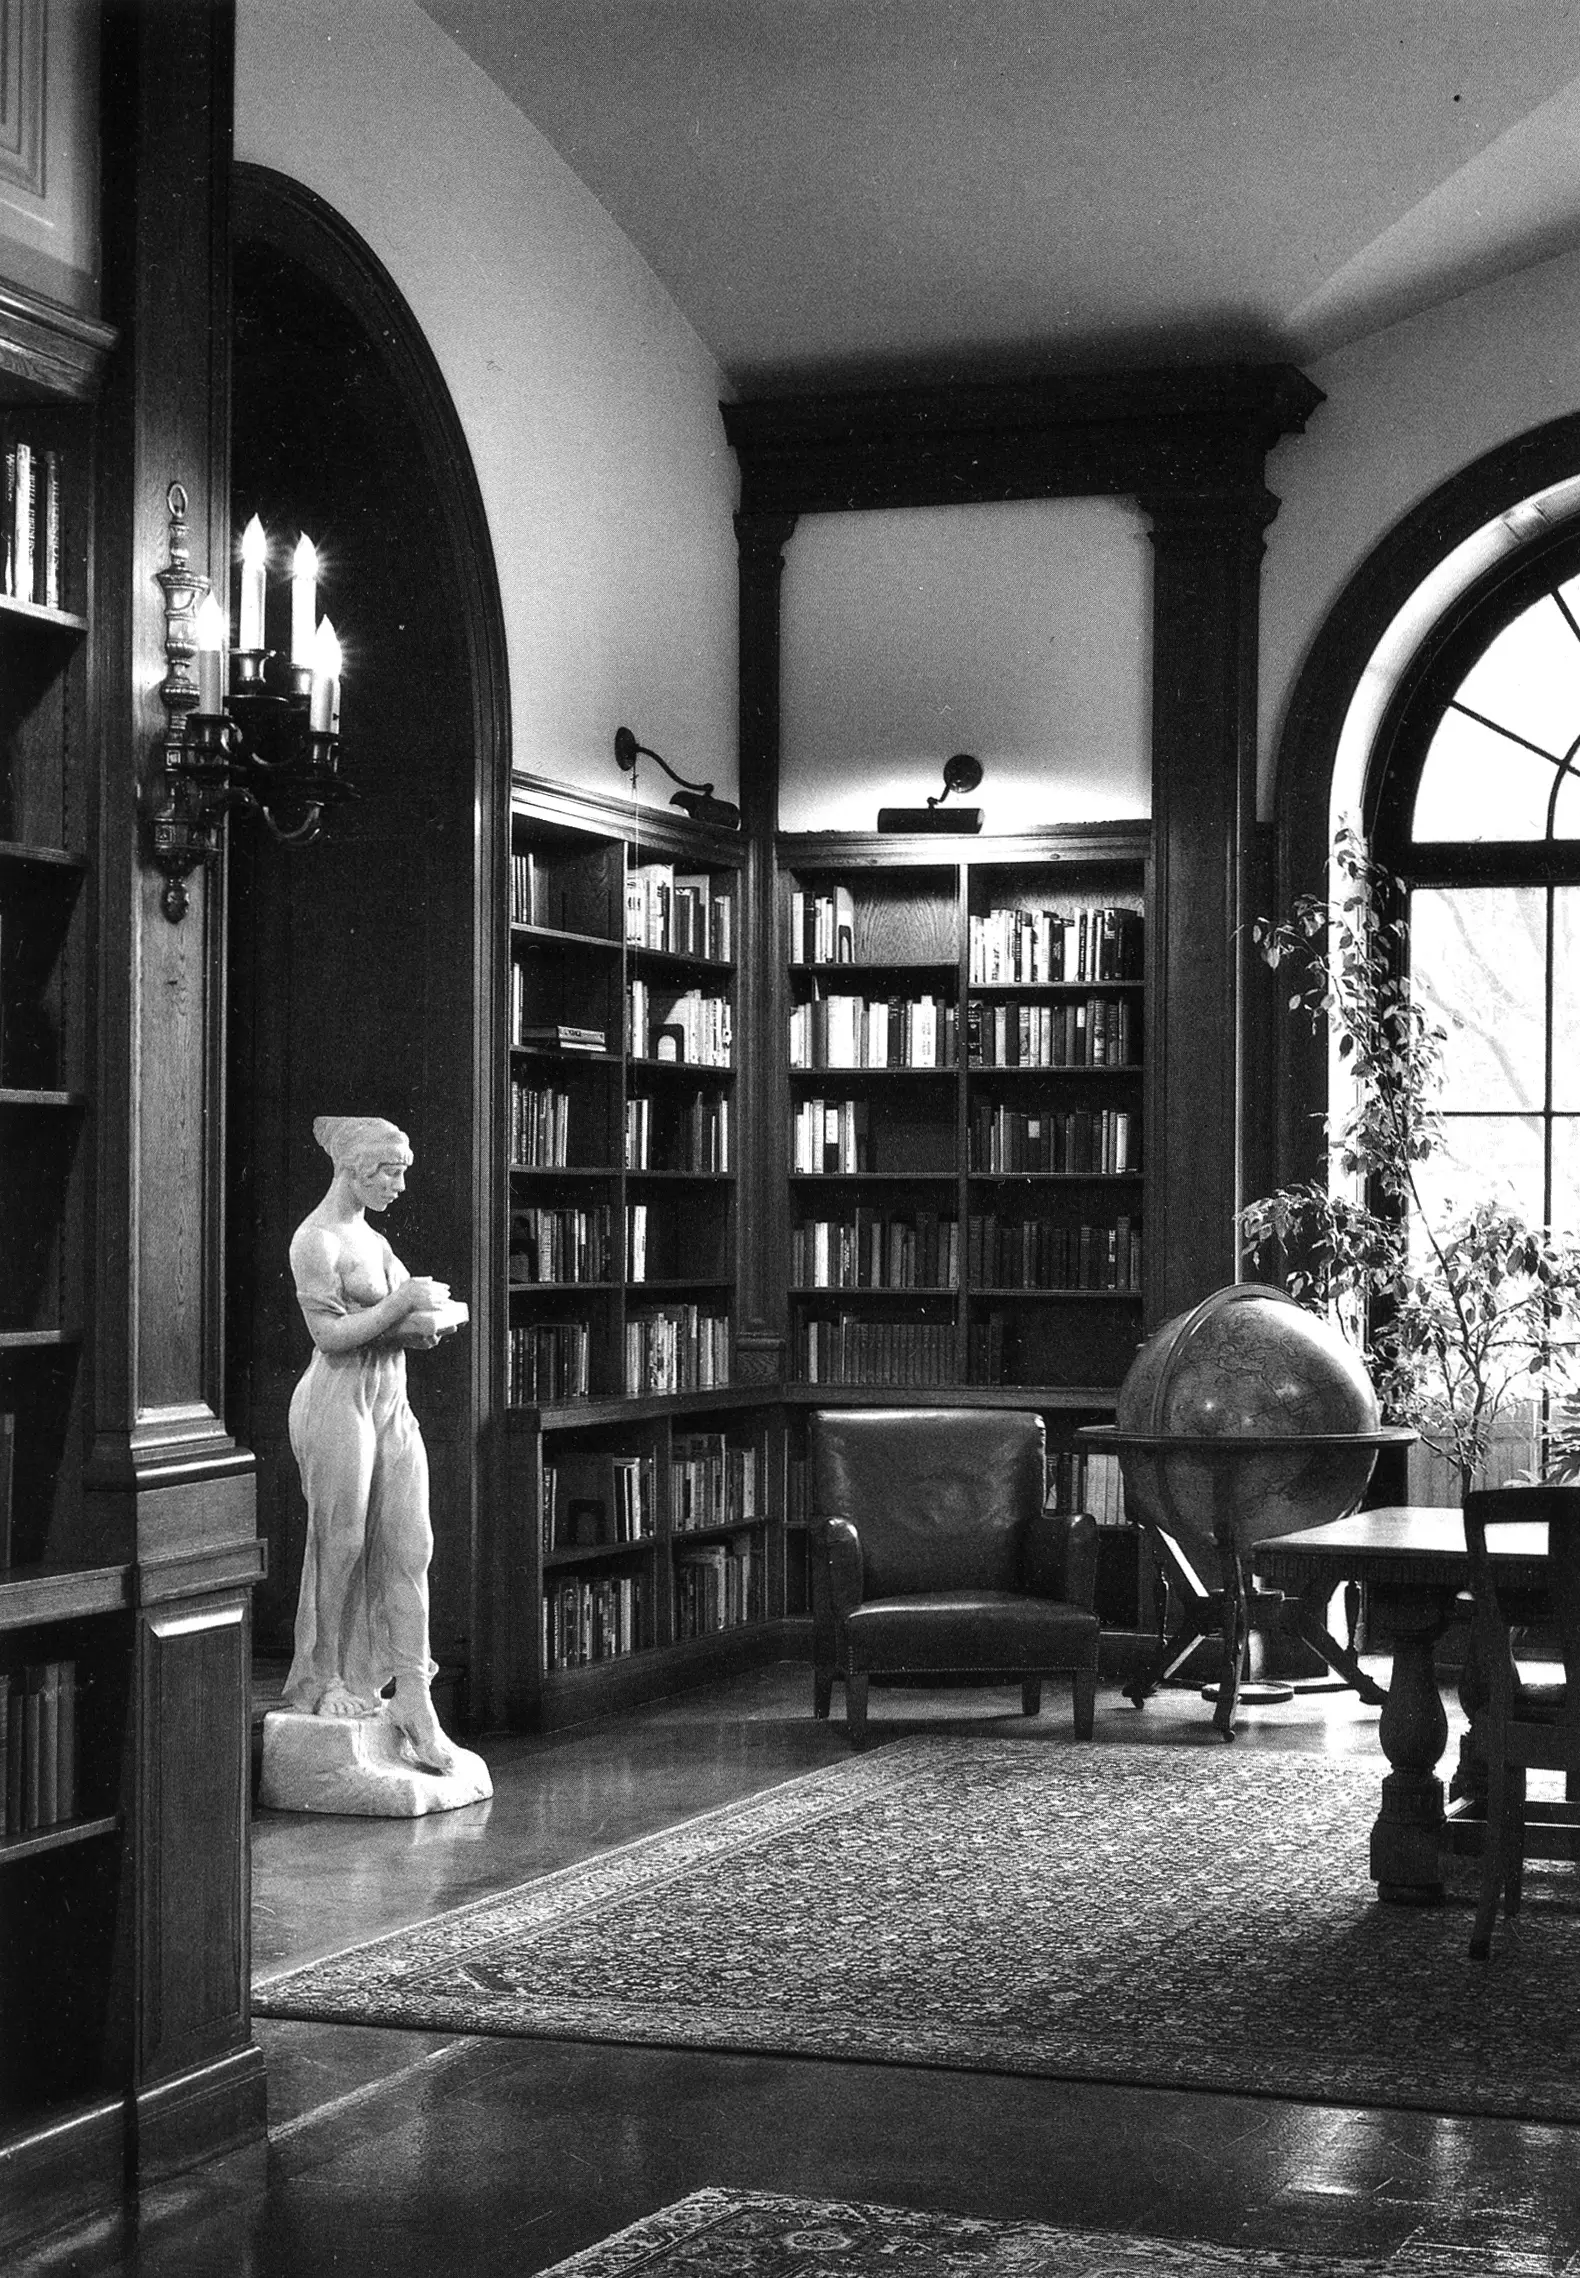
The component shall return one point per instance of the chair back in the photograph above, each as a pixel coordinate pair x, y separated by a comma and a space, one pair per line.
941, 1498
1500, 1609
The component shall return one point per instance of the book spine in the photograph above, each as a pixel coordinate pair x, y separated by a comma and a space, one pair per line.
51, 530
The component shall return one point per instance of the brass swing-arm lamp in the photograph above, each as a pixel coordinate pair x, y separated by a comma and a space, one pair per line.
693, 799
961, 773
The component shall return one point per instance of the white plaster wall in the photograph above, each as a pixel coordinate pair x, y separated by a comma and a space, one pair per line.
590, 406
1406, 408
1020, 633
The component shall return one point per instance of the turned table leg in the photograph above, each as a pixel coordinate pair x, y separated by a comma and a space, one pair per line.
1406, 1840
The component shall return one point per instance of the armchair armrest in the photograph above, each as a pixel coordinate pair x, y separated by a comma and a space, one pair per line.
1060, 1558
838, 1563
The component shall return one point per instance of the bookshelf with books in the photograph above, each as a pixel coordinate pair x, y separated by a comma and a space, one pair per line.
965, 1045
67, 1654
622, 1262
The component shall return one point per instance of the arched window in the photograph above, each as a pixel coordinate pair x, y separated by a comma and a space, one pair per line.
1476, 807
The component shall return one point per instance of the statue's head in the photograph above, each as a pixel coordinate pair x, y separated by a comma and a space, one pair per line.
373, 1154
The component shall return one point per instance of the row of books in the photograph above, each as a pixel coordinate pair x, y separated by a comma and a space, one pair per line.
679, 911
691, 1028
712, 1483
874, 1032
592, 1620
561, 1245
547, 1361
853, 1350
1091, 1142
698, 1135
540, 1119
38, 1745
592, 1499
676, 1348
1081, 1482
869, 1250
1039, 947
32, 534
716, 1587
1099, 1033
1029, 1253
822, 927
830, 1135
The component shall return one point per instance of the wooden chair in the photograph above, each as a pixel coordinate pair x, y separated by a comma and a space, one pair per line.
1519, 1725
932, 1554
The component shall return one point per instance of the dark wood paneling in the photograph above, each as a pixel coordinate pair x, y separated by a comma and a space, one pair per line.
194, 1697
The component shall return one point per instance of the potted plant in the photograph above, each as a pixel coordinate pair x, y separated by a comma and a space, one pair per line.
1458, 1311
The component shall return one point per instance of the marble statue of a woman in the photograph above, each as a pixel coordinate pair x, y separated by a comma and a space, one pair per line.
362, 1617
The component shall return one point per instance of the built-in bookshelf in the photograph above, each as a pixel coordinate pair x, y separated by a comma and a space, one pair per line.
966, 1061
65, 1630
645, 1504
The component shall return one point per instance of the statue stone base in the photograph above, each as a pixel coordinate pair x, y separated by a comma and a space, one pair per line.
357, 1765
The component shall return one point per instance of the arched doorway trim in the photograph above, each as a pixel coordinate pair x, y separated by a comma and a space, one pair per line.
1409, 596
279, 216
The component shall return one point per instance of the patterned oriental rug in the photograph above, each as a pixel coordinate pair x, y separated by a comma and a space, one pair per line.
752, 2234
1181, 1919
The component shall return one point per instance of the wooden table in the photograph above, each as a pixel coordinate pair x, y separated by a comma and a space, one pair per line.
1414, 1567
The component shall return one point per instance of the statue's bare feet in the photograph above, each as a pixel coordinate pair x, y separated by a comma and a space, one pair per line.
339, 1700
413, 1714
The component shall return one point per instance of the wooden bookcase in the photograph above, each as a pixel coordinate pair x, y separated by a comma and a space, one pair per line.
621, 1267
970, 1229
62, 1848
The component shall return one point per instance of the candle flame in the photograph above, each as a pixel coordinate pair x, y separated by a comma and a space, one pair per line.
254, 544
326, 650
304, 562
209, 629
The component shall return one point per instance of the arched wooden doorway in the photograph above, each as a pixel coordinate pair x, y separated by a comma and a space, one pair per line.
365, 969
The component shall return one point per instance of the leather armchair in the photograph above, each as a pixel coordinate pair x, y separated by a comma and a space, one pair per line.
932, 1554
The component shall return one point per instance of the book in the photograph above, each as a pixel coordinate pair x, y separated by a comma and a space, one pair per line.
49, 524
49, 1744
560, 1036
14, 1753
23, 524
32, 1739
7, 1476
66, 1743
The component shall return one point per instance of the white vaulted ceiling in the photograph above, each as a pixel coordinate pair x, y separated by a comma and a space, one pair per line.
839, 189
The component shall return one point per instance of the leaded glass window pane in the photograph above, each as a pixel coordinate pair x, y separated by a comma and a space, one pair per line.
1477, 785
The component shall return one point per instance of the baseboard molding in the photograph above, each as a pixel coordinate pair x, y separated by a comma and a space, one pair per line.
216, 2108
609, 1688
63, 2173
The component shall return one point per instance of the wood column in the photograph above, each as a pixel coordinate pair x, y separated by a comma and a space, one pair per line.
167, 1490
1207, 549
763, 1108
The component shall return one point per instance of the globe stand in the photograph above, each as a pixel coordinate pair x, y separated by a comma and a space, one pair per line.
1224, 1494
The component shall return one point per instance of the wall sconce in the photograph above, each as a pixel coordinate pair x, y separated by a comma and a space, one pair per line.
693, 799
962, 773
269, 742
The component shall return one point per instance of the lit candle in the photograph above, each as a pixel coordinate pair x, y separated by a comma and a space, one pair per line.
211, 633
304, 600
324, 714
254, 575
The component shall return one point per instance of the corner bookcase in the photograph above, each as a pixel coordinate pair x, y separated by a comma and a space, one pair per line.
65, 1625
644, 1489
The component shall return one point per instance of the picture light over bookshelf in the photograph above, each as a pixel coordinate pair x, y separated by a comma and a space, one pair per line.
961, 773
693, 799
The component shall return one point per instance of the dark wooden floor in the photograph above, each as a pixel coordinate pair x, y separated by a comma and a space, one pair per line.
392, 2154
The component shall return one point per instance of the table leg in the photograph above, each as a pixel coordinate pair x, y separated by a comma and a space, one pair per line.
1407, 1837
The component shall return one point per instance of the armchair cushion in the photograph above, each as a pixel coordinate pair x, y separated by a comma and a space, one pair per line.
979, 1630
